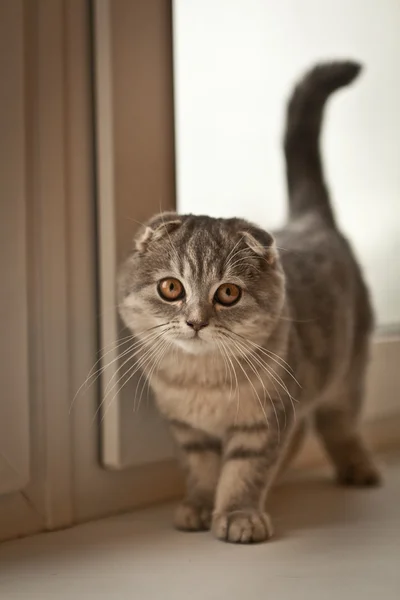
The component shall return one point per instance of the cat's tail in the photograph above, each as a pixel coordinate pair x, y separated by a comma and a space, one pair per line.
308, 191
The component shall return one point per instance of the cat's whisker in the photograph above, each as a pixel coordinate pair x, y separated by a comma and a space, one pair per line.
262, 365
274, 357
234, 258
231, 256
264, 350
288, 369
162, 347
105, 395
291, 250
249, 358
230, 269
297, 320
252, 347
144, 361
157, 362
227, 368
93, 376
153, 343
141, 364
279, 378
276, 377
283, 386
237, 388
252, 386
224, 360
171, 345
256, 358
97, 373
135, 221
232, 366
130, 336
271, 374
281, 382
153, 372
152, 338
145, 340
156, 352
116, 342
230, 377
131, 372
243, 261
271, 357
135, 336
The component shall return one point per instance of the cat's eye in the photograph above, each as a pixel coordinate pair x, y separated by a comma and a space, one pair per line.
171, 289
228, 294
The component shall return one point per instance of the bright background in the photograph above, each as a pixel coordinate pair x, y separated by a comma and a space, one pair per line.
235, 64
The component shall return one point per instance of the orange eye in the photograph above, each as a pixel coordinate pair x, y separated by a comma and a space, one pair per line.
228, 294
171, 289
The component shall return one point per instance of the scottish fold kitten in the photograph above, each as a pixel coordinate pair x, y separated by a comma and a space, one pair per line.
246, 335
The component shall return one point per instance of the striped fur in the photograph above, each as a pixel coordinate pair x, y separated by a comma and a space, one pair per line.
239, 391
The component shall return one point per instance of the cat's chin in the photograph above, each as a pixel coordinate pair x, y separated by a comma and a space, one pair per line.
194, 345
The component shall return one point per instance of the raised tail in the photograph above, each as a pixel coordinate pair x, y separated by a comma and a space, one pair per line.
308, 191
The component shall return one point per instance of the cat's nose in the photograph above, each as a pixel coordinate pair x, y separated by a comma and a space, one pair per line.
197, 325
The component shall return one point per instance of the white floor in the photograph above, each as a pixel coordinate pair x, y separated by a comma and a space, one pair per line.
331, 544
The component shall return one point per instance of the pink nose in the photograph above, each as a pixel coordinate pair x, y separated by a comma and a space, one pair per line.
197, 325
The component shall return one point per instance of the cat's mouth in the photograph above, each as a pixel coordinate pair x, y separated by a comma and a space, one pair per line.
193, 344
195, 336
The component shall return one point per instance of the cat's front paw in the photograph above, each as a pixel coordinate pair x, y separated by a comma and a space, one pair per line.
189, 517
242, 526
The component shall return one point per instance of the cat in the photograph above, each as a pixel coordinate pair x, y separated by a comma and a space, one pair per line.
245, 336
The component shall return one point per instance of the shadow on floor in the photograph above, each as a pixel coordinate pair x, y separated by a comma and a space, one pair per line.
317, 503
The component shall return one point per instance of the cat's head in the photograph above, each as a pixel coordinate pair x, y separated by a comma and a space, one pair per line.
198, 281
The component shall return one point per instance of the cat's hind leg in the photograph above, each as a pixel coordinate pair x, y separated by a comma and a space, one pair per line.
337, 423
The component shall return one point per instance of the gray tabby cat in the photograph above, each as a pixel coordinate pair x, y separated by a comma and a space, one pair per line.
245, 336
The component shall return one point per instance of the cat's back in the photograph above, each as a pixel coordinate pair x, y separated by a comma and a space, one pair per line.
324, 281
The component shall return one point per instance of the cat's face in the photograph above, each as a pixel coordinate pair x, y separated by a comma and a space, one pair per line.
200, 283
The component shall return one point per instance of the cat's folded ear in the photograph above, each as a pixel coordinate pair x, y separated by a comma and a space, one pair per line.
156, 228
261, 243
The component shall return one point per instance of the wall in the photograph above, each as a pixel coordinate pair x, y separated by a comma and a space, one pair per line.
235, 63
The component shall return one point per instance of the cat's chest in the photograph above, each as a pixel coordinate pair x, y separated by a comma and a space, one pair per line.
212, 410
202, 393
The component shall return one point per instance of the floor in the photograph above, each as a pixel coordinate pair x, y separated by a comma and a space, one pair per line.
331, 543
